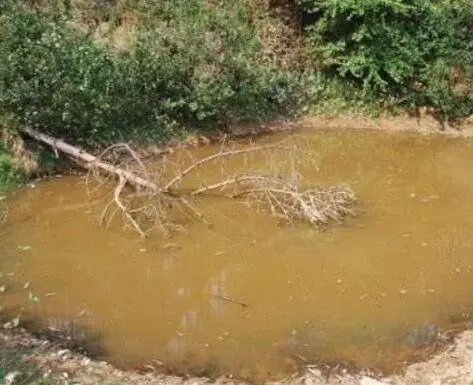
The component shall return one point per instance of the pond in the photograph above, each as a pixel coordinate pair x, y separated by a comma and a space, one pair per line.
247, 295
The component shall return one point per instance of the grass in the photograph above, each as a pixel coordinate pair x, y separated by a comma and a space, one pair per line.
10, 175
15, 371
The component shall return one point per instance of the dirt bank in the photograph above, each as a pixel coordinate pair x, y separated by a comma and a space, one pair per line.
424, 124
452, 366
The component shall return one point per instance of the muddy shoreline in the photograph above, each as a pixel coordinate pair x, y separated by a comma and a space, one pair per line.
451, 364
424, 124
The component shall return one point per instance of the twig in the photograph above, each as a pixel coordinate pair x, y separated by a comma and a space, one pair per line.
242, 304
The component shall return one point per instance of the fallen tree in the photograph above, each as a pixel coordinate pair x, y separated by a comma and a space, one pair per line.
286, 197
85, 159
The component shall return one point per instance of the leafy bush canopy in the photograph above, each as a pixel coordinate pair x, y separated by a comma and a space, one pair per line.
203, 64
408, 52
189, 68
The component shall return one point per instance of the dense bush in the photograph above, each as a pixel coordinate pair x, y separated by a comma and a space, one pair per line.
198, 69
407, 52
202, 64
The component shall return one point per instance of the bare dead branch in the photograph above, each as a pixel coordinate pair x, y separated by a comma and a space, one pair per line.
280, 190
118, 191
226, 183
87, 160
218, 155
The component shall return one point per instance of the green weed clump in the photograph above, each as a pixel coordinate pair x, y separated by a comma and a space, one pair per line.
10, 175
407, 53
188, 68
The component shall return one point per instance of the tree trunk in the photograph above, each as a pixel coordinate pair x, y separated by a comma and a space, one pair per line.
87, 160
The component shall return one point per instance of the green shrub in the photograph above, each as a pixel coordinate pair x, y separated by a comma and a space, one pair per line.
403, 51
10, 175
198, 69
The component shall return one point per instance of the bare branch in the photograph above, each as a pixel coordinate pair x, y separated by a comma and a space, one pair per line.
119, 203
280, 190
227, 182
210, 158
88, 161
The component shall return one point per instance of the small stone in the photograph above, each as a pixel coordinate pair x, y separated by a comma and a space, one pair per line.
339, 281
143, 250
413, 195
371, 381
403, 291
10, 378
62, 352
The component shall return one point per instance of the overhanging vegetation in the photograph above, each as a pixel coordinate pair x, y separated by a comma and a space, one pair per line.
95, 73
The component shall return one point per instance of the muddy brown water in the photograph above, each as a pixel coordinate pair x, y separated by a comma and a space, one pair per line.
248, 296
